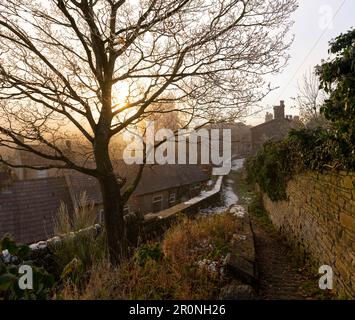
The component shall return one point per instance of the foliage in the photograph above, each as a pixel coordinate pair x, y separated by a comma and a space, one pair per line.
321, 148
337, 79
169, 270
150, 251
43, 282
270, 168
73, 271
318, 149
303, 149
85, 248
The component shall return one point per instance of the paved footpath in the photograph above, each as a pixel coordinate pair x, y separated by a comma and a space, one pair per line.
280, 276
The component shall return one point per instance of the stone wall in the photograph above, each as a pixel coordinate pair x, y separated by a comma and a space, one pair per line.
151, 227
319, 218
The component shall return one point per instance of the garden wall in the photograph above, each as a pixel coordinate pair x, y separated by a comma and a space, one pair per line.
319, 218
153, 226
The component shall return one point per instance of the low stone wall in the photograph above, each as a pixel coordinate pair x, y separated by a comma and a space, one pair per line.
319, 219
153, 226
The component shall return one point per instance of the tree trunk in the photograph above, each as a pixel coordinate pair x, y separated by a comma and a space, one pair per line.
112, 200
114, 222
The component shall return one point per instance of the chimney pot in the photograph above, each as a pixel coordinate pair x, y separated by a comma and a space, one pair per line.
268, 117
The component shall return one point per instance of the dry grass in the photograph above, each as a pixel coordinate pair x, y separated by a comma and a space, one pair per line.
84, 216
204, 237
173, 274
88, 248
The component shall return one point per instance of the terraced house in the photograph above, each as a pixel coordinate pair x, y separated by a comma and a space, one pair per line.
28, 207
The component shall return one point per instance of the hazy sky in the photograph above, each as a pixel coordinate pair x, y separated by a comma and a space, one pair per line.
310, 45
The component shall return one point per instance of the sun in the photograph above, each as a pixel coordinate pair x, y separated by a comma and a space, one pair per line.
120, 95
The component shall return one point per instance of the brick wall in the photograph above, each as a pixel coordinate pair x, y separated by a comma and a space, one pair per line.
319, 218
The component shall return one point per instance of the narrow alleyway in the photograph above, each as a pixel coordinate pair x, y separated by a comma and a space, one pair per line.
280, 275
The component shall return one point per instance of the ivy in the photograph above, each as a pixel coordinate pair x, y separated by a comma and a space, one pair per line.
337, 79
43, 282
277, 162
270, 169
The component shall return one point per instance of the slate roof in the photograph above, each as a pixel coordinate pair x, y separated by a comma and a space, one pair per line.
28, 208
161, 177
155, 178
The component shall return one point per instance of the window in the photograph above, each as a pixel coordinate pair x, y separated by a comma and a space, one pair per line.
172, 197
195, 188
42, 174
157, 203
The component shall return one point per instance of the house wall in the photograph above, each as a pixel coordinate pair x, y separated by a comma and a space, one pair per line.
28, 174
152, 228
240, 135
144, 203
319, 219
275, 129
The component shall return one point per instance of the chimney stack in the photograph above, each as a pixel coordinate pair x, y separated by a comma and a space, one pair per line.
279, 111
68, 144
268, 117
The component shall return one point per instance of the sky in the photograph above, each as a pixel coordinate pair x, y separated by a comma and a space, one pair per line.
316, 23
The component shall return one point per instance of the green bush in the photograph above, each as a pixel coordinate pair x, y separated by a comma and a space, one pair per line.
270, 169
337, 79
149, 251
320, 149
43, 282
304, 149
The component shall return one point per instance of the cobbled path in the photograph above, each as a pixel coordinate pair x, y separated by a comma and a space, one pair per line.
280, 276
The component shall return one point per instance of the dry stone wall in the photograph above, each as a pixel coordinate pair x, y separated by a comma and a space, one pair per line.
319, 218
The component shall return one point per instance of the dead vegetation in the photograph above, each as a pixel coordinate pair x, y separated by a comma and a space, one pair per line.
187, 264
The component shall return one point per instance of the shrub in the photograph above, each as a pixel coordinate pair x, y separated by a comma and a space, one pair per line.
43, 282
337, 79
304, 149
150, 251
169, 270
315, 150
270, 168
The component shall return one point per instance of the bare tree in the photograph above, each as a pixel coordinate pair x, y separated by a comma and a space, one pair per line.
309, 100
63, 62
166, 115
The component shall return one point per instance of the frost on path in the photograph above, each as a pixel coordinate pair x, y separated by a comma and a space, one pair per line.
238, 211
229, 198
237, 164
207, 194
